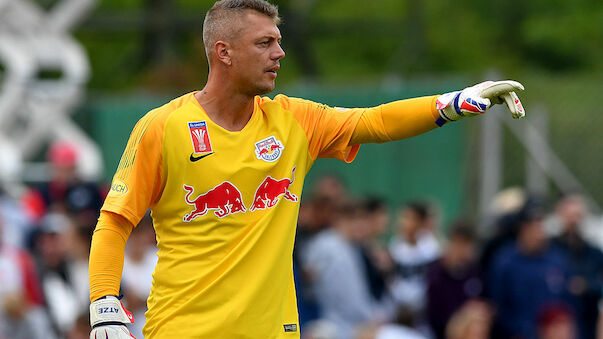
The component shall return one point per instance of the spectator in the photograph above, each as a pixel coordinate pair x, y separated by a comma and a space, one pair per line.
66, 192
527, 276
61, 279
555, 321
139, 263
505, 212
307, 228
404, 326
81, 328
320, 329
453, 279
586, 261
335, 263
21, 312
78, 239
378, 263
413, 249
330, 186
472, 321
18, 225
315, 214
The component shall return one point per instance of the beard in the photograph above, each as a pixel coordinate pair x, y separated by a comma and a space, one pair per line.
257, 85
259, 89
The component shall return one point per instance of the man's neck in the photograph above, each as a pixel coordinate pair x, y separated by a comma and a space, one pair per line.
225, 107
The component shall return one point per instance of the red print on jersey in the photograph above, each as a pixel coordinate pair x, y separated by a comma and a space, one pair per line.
267, 195
224, 199
200, 137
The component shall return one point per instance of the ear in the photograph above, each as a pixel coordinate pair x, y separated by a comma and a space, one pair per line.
222, 52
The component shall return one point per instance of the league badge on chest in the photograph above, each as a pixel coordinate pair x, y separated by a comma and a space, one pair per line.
200, 137
269, 149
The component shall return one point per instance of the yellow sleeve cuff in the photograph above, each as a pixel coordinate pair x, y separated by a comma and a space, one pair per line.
396, 120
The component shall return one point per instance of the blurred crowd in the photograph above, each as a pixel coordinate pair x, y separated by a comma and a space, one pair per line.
363, 269
45, 238
527, 272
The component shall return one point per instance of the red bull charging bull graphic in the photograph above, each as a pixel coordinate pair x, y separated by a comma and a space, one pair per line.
224, 199
270, 190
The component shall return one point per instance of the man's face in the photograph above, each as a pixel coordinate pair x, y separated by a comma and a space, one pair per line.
460, 252
408, 223
531, 236
571, 212
255, 54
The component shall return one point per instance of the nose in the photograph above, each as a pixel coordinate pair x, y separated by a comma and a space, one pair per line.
279, 53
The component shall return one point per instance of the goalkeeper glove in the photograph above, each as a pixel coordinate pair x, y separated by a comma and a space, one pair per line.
108, 319
477, 99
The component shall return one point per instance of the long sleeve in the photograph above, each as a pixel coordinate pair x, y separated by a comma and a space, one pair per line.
396, 120
107, 254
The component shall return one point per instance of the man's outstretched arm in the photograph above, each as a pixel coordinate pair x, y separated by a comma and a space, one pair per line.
396, 120
406, 118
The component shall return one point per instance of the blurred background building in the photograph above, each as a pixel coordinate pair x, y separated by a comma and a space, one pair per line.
75, 76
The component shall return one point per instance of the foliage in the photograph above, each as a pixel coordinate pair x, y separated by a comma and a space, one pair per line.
150, 43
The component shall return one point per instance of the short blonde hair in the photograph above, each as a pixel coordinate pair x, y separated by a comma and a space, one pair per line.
218, 23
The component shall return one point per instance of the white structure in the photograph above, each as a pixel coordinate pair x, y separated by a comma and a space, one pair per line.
542, 163
35, 111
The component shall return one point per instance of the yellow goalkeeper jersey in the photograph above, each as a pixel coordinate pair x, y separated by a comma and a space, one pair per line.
225, 206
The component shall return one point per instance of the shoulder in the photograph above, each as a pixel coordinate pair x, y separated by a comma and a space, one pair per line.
157, 117
161, 113
292, 103
429, 245
281, 99
327, 241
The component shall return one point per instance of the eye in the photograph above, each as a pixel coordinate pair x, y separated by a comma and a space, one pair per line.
265, 43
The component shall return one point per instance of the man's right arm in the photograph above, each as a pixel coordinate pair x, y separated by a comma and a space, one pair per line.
135, 187
108, 316
107, 254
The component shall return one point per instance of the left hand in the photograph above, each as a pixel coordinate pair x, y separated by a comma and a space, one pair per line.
477, 99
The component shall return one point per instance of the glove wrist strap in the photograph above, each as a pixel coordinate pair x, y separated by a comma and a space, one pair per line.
108, 323
109, 311
448, 107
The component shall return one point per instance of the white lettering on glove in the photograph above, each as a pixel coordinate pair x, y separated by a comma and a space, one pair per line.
108, 318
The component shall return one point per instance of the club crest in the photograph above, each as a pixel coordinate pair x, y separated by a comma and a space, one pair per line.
200, 137
269, 149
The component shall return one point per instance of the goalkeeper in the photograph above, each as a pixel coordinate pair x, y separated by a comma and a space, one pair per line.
222, 171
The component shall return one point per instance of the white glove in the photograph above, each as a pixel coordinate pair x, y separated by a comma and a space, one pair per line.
108, 319
477, 99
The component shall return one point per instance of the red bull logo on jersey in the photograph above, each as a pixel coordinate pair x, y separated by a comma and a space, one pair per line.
224, 199
200, 137
270, 190
269, 149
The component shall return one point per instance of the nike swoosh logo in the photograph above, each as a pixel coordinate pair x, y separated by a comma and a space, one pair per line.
193, 158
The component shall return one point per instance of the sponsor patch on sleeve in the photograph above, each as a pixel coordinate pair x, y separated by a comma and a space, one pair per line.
118, 188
